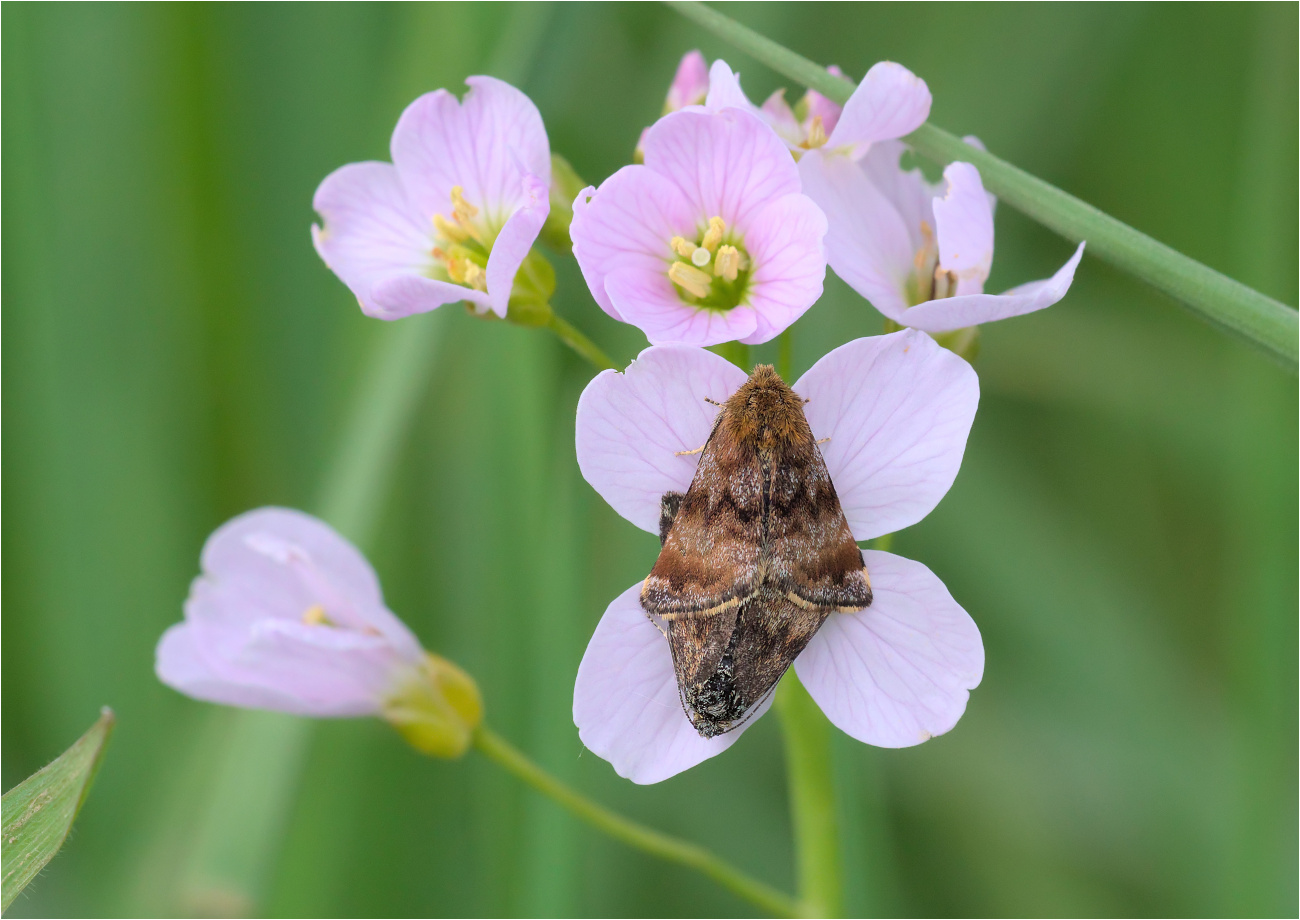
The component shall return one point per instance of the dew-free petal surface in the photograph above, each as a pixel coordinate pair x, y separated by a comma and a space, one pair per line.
964, 228
901, 671
785, 245
897, 409
513, 242
890, 102
630, 425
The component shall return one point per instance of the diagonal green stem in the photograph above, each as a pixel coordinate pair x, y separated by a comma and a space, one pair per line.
633, 834
1268, 324
570, 335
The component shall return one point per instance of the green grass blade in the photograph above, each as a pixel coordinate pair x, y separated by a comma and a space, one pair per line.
1268, 324
39, 811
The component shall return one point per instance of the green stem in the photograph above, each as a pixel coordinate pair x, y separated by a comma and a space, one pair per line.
735, 352
812, 799
785, 356
633, 834
1268, 324
571, 336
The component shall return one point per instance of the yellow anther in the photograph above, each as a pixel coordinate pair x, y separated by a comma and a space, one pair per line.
459, 204
945, 284
816, 134
690, 278
682, 247
713, 236
700, 257
315, 616
464, 271
727, 264
449, 230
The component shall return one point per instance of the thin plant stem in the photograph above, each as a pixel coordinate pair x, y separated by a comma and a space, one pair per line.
630, 832
573, 337
1257, 318
735, 352
809, 772
785, 355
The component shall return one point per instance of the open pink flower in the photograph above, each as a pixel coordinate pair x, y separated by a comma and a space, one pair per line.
711, 240
897, 410
455, 213
287, 615
920, 253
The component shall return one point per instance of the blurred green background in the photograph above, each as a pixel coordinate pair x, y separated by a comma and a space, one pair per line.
1123, 530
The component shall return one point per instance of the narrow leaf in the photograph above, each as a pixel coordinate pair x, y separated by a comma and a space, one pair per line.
39, 811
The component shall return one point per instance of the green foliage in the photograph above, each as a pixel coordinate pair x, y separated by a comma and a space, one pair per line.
1123, 529
38, 812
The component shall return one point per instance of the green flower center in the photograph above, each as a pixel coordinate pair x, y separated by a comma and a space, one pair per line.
711, 273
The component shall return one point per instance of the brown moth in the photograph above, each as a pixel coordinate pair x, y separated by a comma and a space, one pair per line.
753, 557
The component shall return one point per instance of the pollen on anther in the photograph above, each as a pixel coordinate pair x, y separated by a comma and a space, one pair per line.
315, 616
713, 236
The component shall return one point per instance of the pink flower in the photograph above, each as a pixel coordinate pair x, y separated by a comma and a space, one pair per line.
897, 410
711, 240
455, 213
920, 256
689, 87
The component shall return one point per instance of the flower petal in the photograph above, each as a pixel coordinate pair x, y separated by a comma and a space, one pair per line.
627, 224
649, 301
890, 102
625, 700
906, 189
724, 89
964, 228
901, 671
179, 664
372, 232
897, 409
785, 244
691, 82
513, 242
867, 242
483, 144
973, 309
406, 295
727, 163
630, 426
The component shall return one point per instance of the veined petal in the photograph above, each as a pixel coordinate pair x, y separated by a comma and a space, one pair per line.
973, 309
727, 163
180, 665
890, 102
691, 82
897, 409
901, 671
906, 189
626, 704
483, 144
631, 425
964, 228
513, 242
867, 242
649, 301
627, 224
404, 295
785, 243
372, 231
724, 89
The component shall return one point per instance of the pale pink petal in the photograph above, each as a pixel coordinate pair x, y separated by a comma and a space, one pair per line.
630, 426
691, 82
406, 295
819, 105
484, 145
724, 89
959, 312
785, 244
907, 190
625, 700
867, 242
371, 231
890, 102
727, 163
179, 664
964, 228
901, 671
897, 409
650, 301
627, 224
513, 242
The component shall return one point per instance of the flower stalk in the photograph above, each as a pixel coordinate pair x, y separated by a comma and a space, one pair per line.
643, 838
1270, 325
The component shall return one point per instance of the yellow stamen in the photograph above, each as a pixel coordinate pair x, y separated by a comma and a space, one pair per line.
449, 230
727, 264
690, 278
816, 134
682, 247
700, 257
458, 202
713, 236
464, 271
315, 616
945, 284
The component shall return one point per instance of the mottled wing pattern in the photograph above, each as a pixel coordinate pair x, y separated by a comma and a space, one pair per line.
709, 559
812, 557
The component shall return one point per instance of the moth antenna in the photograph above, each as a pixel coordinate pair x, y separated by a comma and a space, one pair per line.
714, 401
806, 401
687, 453
822, 440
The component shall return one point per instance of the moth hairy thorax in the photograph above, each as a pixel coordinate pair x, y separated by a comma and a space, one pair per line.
754, 557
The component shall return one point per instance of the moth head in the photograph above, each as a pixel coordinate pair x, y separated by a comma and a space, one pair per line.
766, 408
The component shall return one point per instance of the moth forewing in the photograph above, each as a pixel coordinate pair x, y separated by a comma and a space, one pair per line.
754, 556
